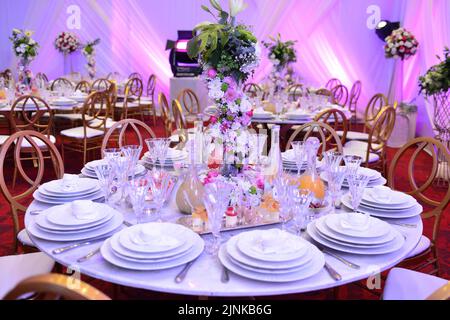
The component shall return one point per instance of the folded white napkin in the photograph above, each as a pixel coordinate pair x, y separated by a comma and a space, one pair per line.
69, 181
381, 194
275, 241
84, 210
152, 237
355, 221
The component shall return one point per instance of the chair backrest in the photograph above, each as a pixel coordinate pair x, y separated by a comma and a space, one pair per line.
32, 177
336, 119
252, 89
31, 113
382, 129
55, 286
179, 119
327, 136
340, 95
133, 91
101, 85
421, 156
165, 112
375, 105
83, 86
95, 112
355, 93
61, 82
135, 75
189, 101
333, 82
121, 127
151, 85
40, 76
295, 91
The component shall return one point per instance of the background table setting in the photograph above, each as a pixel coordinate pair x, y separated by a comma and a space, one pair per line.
131, 234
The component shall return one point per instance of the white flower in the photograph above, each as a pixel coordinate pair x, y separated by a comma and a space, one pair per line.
245, 105
236, 6
408, 44
233, 107
215, 93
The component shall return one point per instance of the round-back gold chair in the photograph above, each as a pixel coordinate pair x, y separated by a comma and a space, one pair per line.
32, 178
83, 86
336, 119
148, 102
101, 85
179, 120
325, 133
53, 287
295, 91
190, 104
42, 78
135, 75
340, 95
355, 93
88, 138
420, 157
131, 107
165, 112
61, 82
325, 92
374, 107
333, 82
252, 89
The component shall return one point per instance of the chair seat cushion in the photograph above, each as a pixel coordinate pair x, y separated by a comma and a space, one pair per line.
40, 144
3, 138
16, 268
354, 135
404, 284
130, 104
424, 244
78, 132
24, 238
69, 116
359, 148
109, 123
146, 101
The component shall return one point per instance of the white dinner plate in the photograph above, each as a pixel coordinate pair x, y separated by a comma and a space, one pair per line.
234, 252
63, 215
395, 245
377, 228
317, 263
391, 207
114, 224
397, 199
293, 247
82, 185
108, 253
372, 183
55, 201
66, 197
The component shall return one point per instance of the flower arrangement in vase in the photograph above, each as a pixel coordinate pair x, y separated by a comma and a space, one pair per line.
228, 53
400, 44
26, 49
89, 52
67, 42
437, 79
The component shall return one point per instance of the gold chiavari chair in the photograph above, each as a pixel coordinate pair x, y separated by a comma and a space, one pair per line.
252, 89
130, 107
190, 103
326, 134
325, 92
148, 102
135, 75
373, 151
125, 128
374, 107
55, 286
333, 82
83, 86
42, 78
88, 137
295, 91
336, 119
101, 85
180, 121
422, 155
340, 95
61, 82
165, 112
355, 93
7, 75
32, 177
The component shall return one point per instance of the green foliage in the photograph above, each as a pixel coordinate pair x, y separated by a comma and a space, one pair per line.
437, 78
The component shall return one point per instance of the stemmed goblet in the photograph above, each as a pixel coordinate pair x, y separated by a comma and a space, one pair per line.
133, 152
105, 176
139, 187
299, 154
281, 194
353, 163
160, 183
301, 199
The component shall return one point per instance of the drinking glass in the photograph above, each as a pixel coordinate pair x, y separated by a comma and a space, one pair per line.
152, 152
111, 153
216, 199
353, 163
357, 184
133, 152
259, 140
160, 183
280, 193
335, 178
120, 166
300, 154
162, 147
105, 176
332, 159
139, 187
301, 199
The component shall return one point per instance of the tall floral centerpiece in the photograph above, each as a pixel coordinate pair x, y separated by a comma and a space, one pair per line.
89, 53
25, 49
67, 43
281, 54
229, 54
436, 83
400, 45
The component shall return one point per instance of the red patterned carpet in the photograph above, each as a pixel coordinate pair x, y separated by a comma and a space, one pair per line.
73, 165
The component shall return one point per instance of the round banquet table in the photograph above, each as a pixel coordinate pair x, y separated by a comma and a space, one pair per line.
204, 277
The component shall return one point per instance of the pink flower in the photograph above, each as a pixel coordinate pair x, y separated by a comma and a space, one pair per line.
231, 94
230, 81
249, 113
260, 183
213, 119
212, 73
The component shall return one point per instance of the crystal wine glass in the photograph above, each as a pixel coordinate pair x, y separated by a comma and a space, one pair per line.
259, 140
353, 163
299, 154
301, 199
160, 182
105, 176
133, 152
332, 159
281, 194
139, 187
357, 184
216, 199
152, 152
162, 147
335, 178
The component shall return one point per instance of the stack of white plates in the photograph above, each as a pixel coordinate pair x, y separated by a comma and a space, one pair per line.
375, 178
62, 101
89, 168
271, 255
298, 115
60, 224
79, 97
386, 203
173, 156
262, 114
53, 192
339, 232
289, 163
152, 246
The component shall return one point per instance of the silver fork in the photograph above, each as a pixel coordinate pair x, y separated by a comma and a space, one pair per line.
89, 255
341, 259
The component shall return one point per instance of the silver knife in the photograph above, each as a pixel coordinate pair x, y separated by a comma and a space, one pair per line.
180, 277
333, 273
343, 260
77, 245
89, 255
225, 275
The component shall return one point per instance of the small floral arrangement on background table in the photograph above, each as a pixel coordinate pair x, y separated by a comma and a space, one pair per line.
67, 42
437, 79
89, 52
25, 47
400, 44
280, 53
